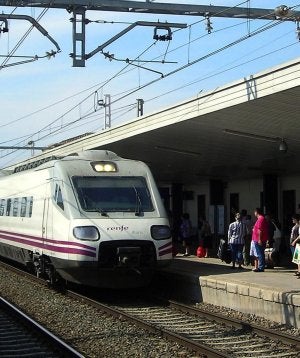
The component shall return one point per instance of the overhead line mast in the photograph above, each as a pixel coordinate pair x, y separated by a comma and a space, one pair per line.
79, 8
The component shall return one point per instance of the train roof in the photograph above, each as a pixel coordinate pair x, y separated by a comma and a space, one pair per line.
4, 173
85, 155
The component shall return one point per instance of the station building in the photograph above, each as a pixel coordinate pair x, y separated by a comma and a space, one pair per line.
235, 147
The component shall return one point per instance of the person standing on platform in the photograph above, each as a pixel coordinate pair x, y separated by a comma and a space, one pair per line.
186, 233
294, 231
260, 237
295, 238
205, 235
246, 250
271, 230
236, 238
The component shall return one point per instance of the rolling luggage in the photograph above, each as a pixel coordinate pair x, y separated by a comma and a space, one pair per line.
224, 252
269, 255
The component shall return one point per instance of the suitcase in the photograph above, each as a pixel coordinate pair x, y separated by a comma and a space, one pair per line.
269, 263
224, 252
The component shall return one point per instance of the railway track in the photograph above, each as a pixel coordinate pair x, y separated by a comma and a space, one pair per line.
20, 336
204, 333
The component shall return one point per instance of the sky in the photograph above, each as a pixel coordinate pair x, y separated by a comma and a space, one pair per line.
48, 100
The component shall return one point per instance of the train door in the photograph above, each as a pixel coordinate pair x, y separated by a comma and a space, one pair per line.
47, 214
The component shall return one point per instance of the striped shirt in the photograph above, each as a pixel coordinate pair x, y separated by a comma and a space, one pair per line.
295, 232
236, 232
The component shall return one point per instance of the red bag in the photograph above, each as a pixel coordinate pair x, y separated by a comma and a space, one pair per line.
201, 251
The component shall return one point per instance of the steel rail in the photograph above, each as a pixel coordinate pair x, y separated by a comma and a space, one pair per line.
190, 344
55, 343
186, 342
249, 327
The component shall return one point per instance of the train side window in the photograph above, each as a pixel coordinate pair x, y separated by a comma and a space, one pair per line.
30, 201
58, 197
2, 207
15, 207
8, 206
23, 207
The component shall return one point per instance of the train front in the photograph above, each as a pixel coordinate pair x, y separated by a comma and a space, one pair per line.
122, 216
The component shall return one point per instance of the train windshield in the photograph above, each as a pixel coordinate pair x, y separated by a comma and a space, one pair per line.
108, 194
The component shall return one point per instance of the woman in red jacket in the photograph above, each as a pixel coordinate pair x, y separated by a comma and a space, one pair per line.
260, 236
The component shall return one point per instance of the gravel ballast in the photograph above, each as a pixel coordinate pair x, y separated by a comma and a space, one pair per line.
94, 333
86, 329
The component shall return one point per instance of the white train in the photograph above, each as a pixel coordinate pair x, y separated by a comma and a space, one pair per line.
91, 218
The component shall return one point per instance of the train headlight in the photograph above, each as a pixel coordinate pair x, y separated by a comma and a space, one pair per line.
160, 232
104, 167
90, 233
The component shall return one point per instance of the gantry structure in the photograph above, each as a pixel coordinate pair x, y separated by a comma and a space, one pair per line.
79, 21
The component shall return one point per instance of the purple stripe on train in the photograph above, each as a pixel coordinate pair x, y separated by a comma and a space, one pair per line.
165, 252
66, 250
48, 240
164, 246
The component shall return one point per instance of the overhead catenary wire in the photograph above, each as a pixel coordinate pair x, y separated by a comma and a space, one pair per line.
8, 57
193, 62
229, 45
115, 76
75, 106
151, 82
203, 78
122, 71
220, 72
85, 116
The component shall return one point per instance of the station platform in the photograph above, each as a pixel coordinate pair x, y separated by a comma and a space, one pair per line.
273, 294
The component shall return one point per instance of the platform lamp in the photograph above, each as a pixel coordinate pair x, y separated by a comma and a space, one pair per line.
282, 143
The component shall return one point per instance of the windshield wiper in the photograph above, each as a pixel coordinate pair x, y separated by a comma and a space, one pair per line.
138, 211
102, 212
99, 210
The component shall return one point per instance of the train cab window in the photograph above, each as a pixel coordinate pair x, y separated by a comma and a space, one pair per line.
58, 197
112, 194
2, 207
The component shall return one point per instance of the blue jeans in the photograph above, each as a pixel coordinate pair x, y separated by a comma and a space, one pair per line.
237, 253
260, 250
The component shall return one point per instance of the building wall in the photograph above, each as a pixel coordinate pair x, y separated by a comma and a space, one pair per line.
191, 206
249, 196
292, 183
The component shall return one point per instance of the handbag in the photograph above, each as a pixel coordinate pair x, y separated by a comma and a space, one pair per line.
296, 256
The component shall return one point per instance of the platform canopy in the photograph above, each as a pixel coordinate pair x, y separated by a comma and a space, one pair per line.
241, 130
